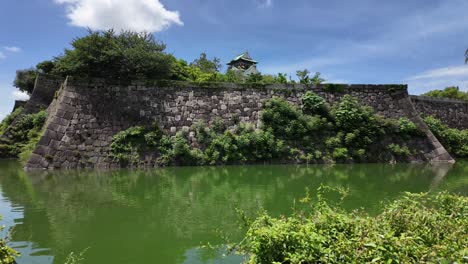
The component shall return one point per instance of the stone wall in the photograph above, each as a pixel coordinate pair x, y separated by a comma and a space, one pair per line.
41, 97
453, 113
87, 113
18, 104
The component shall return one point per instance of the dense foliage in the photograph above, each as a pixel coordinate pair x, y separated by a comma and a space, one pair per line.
206, 65
25, 80
131, 55
304, 77
7, 254
127, 55
9, 119
318, 133
417, 228
454, 140
23, 136
449, 92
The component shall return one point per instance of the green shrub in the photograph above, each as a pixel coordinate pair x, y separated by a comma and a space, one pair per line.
244, 144
398, 150
454, 140
349, 114
23, 136
127, 143
340, 153
287, 121
449, 92
7, 254
125, 56
314, 104
9, 119
417, 228
25, 80
254, 78
407, 127
349, 132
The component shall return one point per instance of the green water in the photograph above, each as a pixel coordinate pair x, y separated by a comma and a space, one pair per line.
164, 215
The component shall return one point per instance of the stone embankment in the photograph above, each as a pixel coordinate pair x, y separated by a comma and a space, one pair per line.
87, 113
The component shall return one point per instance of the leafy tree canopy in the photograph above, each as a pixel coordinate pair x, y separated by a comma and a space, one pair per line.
449, 92
25, 80
206, 65
120, 56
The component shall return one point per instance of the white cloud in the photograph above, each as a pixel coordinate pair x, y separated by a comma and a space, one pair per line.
2, 56
264, 3
19, 95
12, 49
439, 79
136, 15
452, 71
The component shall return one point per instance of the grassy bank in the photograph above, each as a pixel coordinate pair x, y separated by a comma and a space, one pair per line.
418, 228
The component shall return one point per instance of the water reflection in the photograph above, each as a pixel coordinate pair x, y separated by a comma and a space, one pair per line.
163, 215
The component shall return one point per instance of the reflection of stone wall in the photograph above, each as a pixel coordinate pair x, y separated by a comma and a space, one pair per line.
454, 113
87, 114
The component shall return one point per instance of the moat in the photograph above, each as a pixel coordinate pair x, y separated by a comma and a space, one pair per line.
165, 215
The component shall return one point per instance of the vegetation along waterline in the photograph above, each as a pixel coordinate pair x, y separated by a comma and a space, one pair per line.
317, 133
171, 214
416, 228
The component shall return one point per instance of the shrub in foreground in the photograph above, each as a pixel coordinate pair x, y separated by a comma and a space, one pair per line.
7, 254
418, 228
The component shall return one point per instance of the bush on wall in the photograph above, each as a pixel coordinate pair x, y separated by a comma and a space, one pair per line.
346, 133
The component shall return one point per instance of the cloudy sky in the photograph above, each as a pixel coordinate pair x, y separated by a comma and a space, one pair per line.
418, 42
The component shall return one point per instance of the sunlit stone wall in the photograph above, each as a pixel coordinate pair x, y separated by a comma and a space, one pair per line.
87, 113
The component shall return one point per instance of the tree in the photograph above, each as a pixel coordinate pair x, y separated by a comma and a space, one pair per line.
128, 55
206, 65
45, 67
449, 92
316, 80
25, 80
303, 76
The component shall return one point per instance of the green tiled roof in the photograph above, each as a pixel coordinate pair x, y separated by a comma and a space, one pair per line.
244, 56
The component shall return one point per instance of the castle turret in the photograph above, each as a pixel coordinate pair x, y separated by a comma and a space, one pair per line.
244, 64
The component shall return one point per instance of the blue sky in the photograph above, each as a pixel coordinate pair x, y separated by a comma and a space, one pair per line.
417, 42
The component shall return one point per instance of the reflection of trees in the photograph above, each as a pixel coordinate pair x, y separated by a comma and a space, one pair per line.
456, 180
159, 214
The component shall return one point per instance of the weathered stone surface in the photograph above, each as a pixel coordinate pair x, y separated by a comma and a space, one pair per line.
41, 97
87, 113
453, 113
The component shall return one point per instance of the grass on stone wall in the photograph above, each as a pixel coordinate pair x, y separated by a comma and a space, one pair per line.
9, 119
23, 136
317, 133
454, 140
417, 228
